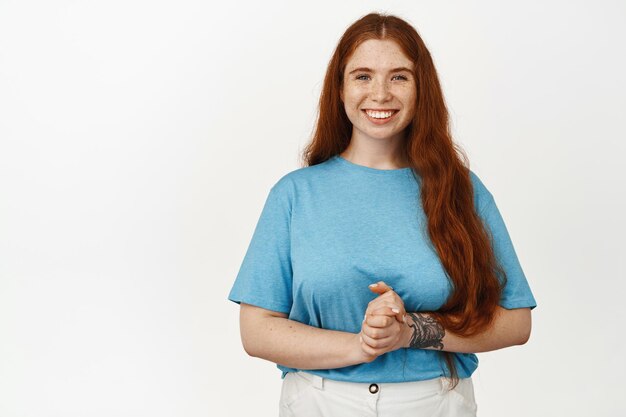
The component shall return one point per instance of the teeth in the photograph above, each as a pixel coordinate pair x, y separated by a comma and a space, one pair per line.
379, 114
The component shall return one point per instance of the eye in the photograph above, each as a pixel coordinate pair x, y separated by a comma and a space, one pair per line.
358, 77
401, 76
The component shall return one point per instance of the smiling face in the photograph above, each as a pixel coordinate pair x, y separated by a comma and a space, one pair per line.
379, 91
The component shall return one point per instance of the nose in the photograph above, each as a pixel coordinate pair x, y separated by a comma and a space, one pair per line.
380, 91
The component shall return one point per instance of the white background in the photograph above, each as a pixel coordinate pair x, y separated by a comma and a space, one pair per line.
139, 140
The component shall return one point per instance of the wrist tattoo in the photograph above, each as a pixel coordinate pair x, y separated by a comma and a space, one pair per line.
427, 332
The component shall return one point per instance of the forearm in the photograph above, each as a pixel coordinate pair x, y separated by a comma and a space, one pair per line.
297, 345
509, 328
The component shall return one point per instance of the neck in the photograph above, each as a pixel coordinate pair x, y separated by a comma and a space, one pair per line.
379, 154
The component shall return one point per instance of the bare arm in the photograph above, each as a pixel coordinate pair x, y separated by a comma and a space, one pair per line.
272, 336
509, 328
385, 330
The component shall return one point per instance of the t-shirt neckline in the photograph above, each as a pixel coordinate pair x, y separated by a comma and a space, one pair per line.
369, 170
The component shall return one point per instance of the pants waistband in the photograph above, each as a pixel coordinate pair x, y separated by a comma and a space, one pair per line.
408, 389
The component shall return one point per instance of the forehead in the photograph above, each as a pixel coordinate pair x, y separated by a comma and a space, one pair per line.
378, 54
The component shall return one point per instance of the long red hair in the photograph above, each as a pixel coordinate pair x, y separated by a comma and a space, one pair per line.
457, 233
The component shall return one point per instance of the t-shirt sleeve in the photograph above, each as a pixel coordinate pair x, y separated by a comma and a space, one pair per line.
517, 292
265, 274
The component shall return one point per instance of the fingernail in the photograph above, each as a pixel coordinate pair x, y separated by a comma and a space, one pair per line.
395, 310
373, 285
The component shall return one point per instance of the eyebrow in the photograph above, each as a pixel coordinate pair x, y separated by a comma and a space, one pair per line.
364, 69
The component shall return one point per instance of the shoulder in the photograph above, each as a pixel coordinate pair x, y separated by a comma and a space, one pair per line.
302, 178
482, 195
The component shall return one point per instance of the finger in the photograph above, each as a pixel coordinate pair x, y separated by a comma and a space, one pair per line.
380, 287
380, 302
380, 320
367, 348
377, 333
387, 298
378, 345
398, 312
399, 317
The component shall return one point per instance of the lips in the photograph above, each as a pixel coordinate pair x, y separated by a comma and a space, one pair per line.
379, 113
380, 121
381, 109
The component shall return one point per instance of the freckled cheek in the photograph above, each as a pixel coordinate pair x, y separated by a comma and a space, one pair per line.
404, 92
356, 96
408, 100
353, 101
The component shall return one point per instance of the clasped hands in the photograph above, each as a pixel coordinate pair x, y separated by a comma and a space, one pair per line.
384, 328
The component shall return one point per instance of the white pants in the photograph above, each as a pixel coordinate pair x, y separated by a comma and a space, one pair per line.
306, 395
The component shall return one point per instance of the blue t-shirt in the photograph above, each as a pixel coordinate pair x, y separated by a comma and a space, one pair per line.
327, 231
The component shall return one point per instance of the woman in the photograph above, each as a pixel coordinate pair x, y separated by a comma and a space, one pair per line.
386, 199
